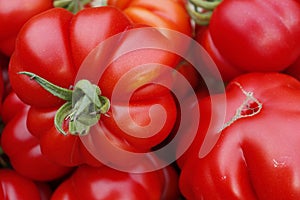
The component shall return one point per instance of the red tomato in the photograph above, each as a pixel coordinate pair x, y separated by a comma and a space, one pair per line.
13, 15
253, 36
254, 154
57, 41
15, 186
11, 107
257, 35
65, 150
109, 184
22, 148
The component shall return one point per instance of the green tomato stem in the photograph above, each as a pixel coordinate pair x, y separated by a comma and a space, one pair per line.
250, 107
202, 10
206, 5
71, 5
200, 18
61, 115
62, 93
61, 3
83, 108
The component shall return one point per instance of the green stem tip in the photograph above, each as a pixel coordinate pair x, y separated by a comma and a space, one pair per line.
83, 108
71, 5
206, 4
201, 10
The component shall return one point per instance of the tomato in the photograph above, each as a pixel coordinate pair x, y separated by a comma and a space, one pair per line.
11, 107
58, 41
254, 154
15, 186
22, 148
253, 36
275, 35
107, 183
65, 150
13, 15
170, 14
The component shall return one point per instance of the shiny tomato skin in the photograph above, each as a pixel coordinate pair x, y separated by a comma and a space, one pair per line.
23, 148
57, 46
110, 184
58, 41
15, 186
257, 35
254, 154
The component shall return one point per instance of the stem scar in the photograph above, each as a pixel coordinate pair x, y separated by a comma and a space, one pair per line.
251, 106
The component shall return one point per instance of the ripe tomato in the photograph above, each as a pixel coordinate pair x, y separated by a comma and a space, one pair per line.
257, 35
15, 186
22, 148
251, 153
58, 41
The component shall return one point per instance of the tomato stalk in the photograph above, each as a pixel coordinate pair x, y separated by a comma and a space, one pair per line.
201, 10
71, 5
250, 107
83, 108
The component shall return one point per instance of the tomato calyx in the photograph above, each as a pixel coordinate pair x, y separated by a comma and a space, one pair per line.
201, 10
251, 106
71, 5
83, 108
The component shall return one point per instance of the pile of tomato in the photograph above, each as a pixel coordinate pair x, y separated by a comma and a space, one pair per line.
84, 117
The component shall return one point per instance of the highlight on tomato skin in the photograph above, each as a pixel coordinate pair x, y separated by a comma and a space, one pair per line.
15, 186
107, 183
